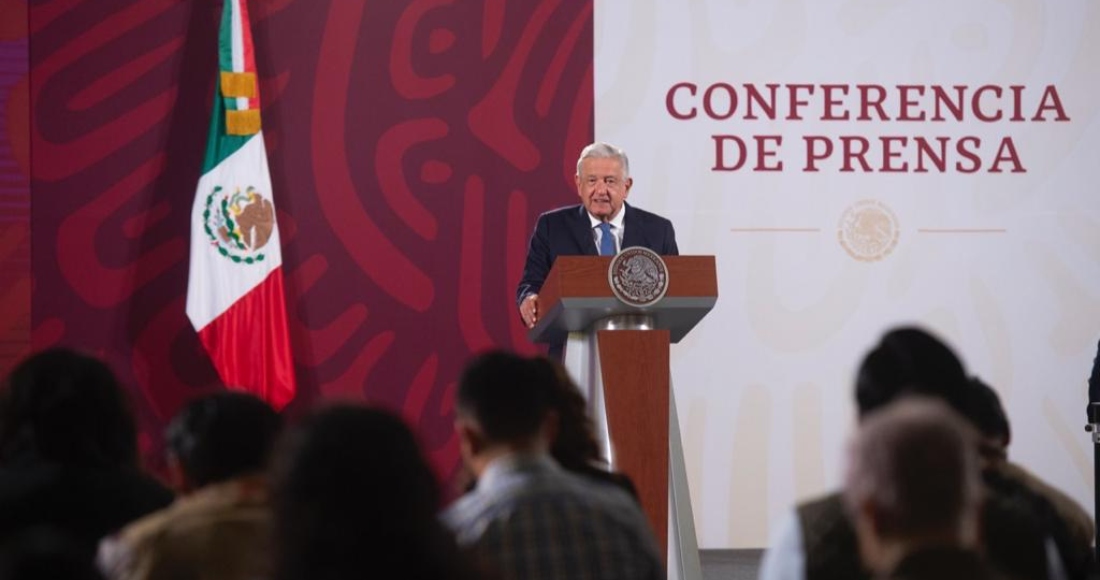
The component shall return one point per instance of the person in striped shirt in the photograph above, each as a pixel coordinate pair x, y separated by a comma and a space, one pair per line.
527, 518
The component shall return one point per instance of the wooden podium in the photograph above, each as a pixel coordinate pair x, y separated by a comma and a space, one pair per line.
619, 354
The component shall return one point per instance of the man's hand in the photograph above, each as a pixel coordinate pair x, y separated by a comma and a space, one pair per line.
529, 310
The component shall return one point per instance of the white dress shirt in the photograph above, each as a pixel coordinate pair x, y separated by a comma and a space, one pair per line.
616, 229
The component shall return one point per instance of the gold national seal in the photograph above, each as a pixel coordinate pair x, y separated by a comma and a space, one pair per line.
868, 230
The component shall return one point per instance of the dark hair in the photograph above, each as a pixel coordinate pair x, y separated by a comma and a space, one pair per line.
222, 436
505, 394
68, 408
984, 410
575, 447
909, 360
353, 495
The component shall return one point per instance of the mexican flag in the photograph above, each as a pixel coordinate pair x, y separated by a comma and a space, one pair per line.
235, 296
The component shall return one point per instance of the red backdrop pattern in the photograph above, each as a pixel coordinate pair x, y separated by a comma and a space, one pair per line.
412, 144
15, 199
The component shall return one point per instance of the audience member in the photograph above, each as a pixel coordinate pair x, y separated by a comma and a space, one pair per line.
817, 540
983, 407
1071, 526
575, 446
68, 451
527, 517
913, 493
354, 498
45, 553
909, 360
218, 449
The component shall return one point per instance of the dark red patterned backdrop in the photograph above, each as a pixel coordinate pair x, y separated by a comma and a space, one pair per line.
412, 145
15, 199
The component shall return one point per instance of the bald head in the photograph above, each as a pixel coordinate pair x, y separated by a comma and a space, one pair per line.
914, 471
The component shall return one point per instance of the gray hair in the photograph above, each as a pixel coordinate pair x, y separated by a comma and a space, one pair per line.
916, 462
600, 150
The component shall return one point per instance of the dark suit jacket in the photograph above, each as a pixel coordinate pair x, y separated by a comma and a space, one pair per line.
568, 232
1094, 382
83, 502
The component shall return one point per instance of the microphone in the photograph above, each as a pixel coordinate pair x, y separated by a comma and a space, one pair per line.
1093, 425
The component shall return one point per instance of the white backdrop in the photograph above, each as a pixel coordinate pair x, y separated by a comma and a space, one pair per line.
1005, 266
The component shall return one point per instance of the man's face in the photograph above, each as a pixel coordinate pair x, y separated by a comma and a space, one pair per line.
602, 186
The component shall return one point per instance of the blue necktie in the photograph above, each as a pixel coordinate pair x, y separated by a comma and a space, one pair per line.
607, 242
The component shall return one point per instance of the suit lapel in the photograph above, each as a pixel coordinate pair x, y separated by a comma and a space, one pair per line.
582, 232
633, 233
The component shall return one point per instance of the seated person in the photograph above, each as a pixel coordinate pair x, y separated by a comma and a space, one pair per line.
575, 446
68, 451
45, 553
354, 498
218, 449
817, 540
527, 517
913, 490
1075, 544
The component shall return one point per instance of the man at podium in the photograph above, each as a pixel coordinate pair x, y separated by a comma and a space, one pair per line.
602, 224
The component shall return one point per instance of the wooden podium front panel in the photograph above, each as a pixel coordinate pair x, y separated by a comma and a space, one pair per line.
635, 372
587, 276
692, 276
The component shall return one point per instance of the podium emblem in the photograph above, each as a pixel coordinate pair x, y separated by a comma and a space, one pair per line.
638, 277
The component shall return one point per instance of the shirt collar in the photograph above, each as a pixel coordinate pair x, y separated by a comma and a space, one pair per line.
616, 222
505, 465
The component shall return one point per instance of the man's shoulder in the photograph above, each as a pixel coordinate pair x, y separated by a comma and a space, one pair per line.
828, 539
558, 488
464, 508
564, 213
820, 514
205, 509
556, 502
503, 496
828, 502
822, 517
147, 529
579, 524
119, 554
648, 217
236, 514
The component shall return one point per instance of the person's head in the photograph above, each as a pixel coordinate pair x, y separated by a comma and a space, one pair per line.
352, 494
220, 437
913, 481
909, 360
574, 446
503, 405
603, 179
985, 412
64, 407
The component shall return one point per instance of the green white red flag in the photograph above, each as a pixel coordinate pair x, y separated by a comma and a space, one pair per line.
235, 296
